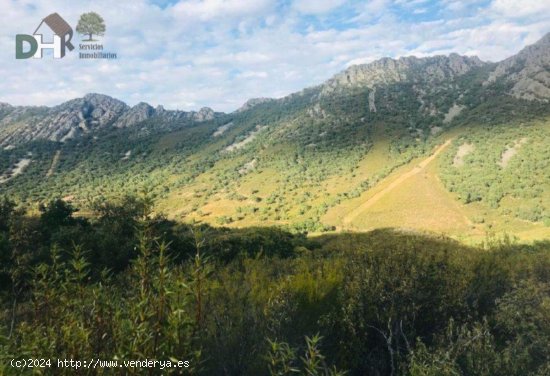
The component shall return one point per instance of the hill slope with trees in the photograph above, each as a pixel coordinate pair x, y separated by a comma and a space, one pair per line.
307, 160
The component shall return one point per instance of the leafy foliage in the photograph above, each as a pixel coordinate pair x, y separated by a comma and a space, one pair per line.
89, 24
242, 301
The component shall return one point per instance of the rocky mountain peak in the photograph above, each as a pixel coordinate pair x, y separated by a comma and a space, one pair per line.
387, 71
205, 113
254, 102
544, 41
462, 64
140, 112
58, 123
528, 72
96, 98
83, 115
143, 106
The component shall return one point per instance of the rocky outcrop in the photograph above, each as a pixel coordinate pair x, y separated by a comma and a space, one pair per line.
140, 112
144, 111
528, 72
204, 114
83, 115
388, 71
58, 123
253, 102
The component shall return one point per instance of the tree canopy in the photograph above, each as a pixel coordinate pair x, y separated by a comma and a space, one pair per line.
89, 24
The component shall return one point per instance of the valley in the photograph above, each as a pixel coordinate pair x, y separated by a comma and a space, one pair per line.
443, 145
386, 212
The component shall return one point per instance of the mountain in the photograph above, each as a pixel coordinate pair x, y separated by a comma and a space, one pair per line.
528, 72
253, 102
143, 111
388, 71
445, 143
81, 116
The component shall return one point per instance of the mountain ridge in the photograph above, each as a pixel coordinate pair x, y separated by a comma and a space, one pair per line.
308, 160
83, 115
526, 73
387, 70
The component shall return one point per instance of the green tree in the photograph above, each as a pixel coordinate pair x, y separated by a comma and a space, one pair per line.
89, 24
56, 213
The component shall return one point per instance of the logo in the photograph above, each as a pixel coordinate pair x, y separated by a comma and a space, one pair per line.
90, 26
63, 34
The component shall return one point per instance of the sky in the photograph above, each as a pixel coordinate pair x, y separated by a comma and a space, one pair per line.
188, 54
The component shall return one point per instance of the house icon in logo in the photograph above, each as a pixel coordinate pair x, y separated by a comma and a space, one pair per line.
62, 34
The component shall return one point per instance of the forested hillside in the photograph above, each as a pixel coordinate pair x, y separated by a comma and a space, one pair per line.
393, 220
308, 161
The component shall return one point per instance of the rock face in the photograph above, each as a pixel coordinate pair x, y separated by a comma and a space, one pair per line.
143, 111
254, 102
431, 79
528, 72
59, 123
140, 112
82, 115
438, 81
204, 114
388, 71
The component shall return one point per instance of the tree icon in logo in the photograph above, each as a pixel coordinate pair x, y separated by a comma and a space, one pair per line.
90, 24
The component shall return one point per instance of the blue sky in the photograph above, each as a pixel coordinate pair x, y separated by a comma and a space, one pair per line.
192, 53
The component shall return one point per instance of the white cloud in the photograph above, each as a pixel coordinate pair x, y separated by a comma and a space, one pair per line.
316, 6
221, 53
515, 8
206, 10
253, 74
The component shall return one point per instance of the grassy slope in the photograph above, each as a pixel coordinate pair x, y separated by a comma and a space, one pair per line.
312, 170
422, 202
419, 202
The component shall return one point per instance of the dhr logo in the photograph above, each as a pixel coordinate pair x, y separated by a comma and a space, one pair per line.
90, 25
63, 33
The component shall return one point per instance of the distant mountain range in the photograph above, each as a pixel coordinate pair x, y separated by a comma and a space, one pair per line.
525, 75
82, 115
312, 158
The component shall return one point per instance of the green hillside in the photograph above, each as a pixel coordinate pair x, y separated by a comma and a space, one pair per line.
340, 155
308, 174
393, 220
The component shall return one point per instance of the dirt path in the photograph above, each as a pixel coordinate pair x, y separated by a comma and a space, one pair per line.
394, 184
55, 161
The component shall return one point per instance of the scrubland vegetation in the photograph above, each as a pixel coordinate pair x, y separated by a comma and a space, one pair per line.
91, 267
518, 187
127, 284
